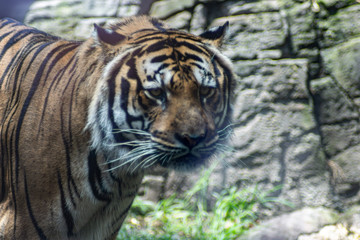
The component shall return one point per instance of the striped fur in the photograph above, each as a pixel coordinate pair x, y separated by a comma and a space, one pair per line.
80, 121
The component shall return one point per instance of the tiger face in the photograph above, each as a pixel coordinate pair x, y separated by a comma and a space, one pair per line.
170, 97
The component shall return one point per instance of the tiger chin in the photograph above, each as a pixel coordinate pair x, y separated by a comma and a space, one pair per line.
81, 121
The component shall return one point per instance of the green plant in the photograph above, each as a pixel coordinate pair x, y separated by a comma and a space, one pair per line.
235, 211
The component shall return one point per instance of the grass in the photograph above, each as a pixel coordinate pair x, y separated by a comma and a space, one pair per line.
234, 213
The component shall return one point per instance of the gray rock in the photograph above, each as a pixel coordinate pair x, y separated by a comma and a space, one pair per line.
290, 226
348, 228
102, 8
198, 20
332, 232
348, 161
283, 79
300, 19
342, 62
340, 27
339, 137
166, 8
352, 217
252, 33
242, 7
334, 104
45, 10
180, 20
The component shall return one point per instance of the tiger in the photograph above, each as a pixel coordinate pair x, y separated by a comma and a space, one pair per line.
82, 121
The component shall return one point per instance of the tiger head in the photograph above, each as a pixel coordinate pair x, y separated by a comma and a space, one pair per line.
164, 96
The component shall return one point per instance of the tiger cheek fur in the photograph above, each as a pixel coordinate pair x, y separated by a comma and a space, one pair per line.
80, 121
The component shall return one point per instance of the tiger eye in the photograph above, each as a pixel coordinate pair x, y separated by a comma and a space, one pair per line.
206, 91
156, 92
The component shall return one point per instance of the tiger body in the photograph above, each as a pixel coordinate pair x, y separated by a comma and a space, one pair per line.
80, 121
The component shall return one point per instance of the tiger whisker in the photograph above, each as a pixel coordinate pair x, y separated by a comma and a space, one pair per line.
170, 156
224, 148
225, 132
145, 161
163, 158
133, 131
146, 164
227, 126
128, 154
139, 157
133, 158
132, 143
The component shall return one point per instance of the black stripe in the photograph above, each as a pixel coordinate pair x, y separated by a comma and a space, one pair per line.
9, 67
65, 209
16, 87
12, 22
132, 74
13, 40
193, 56
121, 216
152, 34
160, 58
13, 195
70, 179
32, 217
58, 78
149, 39
5, 35
18, 36
67, 141
95, 179
145, 30
6, 21
111, 86
228, 84
155, 47
125, 87
89, 51
196, 48
2, 174
26, 104
216, 69
198, 66
59, 56
183, 36
18, 59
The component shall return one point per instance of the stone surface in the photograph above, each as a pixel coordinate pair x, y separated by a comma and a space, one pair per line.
300, 19
242, 7
342, 61
252, 33
333, 232
290, 226
166, 8
342, 26
348, 228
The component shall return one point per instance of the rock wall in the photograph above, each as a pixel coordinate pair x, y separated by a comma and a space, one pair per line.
297, 108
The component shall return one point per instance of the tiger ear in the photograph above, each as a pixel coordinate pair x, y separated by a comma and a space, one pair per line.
107, 36
215, 35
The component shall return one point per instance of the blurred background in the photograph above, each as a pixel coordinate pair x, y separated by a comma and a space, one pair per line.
293, 171
15, 9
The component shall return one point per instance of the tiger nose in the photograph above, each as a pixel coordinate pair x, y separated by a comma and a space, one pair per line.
190, 141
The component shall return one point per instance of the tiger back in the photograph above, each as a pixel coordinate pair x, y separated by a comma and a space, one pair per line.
81, 121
